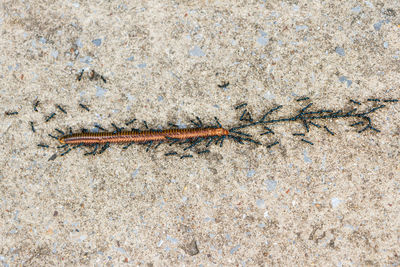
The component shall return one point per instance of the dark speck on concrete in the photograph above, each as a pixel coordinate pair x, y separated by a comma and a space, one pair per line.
378, 25
390, 12
191, 248
340, 51
100, 91
263, 39
306, 158
96, 42
86, 60
271, 185
79, 43
251, 173
356, 9
343, 79
53, 157
234, 249
197, 52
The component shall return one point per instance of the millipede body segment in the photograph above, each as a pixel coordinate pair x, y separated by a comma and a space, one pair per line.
142, 136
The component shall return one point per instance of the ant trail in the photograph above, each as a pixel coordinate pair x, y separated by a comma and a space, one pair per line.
202, 135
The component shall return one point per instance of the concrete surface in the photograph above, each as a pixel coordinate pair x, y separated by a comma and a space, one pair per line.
335, 203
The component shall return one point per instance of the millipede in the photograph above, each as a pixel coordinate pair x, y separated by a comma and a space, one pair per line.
123, 137
212, 134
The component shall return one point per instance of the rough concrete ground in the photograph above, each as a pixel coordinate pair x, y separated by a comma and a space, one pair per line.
333, 203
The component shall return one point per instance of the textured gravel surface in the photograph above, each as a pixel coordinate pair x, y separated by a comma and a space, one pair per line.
333, 203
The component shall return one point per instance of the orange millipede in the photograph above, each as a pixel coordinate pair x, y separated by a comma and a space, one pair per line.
142, 136
192, 136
